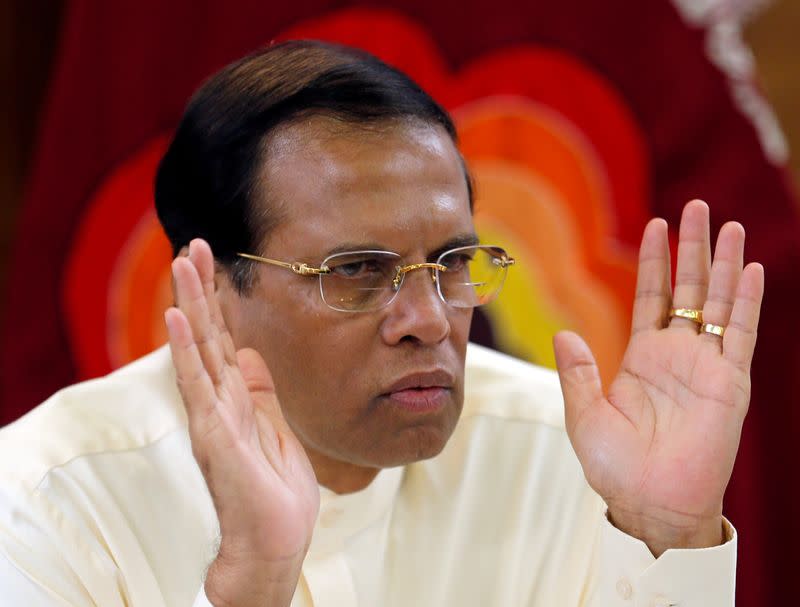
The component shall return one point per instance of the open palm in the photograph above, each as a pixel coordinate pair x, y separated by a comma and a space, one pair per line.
659, 445
260, 479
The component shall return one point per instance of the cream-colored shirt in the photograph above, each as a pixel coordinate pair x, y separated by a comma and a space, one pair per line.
102, 503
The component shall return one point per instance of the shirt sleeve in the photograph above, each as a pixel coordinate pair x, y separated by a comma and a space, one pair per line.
630, 576
47, 561
20, 590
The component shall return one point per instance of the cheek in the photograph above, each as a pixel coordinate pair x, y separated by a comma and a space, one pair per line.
460, 321
307, 346
271, 320
313, 351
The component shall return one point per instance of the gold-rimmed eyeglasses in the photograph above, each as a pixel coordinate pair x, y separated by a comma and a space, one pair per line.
362, 281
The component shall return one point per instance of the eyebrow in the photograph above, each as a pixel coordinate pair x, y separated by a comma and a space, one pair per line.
462, 240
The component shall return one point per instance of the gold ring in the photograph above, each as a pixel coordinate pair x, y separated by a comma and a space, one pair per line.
713, 329
687, 313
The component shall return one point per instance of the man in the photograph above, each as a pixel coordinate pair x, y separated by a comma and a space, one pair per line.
341, 440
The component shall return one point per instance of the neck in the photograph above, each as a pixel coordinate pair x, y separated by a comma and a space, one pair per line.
338, 476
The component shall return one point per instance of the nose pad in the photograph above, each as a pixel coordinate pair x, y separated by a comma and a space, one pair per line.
399, 276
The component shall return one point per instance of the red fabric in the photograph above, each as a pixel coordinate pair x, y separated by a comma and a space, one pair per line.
126, 69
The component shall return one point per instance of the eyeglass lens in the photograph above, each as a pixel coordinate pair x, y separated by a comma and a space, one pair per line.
364, 280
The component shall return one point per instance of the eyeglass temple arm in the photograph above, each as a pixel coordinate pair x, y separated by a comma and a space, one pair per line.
296, 267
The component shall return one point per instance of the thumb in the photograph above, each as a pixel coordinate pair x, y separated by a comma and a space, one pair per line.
577, 370
258, 380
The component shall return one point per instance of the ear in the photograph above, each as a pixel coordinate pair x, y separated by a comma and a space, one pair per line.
224, 289
223, 285
219, 272
228, 297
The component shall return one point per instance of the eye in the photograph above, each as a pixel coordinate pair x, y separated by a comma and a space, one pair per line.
455, 262
359, 268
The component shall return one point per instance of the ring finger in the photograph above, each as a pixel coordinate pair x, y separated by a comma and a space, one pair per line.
725, 273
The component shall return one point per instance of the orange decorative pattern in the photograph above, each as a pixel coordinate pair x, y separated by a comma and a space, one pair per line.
117, 277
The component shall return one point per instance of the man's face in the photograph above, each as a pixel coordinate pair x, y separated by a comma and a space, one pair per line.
348, 382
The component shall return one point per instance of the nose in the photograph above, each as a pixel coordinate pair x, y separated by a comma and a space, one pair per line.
417, 313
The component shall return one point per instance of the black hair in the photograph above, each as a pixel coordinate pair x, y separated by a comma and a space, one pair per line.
208, 179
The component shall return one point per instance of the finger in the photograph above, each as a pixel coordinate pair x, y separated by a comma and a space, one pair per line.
197, 390
694, 262
200, 400
739, 340
201, 256
653, 297
578, 373
192, 302
726, 269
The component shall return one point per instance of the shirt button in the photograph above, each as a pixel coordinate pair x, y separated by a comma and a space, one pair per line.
624, 588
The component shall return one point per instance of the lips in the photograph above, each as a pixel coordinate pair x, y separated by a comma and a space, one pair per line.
418, 393
418, 381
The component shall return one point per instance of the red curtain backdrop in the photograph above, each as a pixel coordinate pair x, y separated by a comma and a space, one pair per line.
620, 91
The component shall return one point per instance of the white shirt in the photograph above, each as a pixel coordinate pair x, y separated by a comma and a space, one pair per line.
102, 503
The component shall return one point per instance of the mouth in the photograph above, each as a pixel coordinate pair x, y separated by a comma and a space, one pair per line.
421, 392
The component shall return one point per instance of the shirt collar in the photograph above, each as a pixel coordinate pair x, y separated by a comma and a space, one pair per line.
343, 516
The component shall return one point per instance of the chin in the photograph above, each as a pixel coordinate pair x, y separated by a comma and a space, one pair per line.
411, 445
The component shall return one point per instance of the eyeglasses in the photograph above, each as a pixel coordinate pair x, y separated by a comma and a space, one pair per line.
362, 281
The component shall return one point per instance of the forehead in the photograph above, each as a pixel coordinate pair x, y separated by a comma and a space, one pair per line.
399, 185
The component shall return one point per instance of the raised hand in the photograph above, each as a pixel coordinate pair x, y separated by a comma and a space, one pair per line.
659, 447
260, 479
